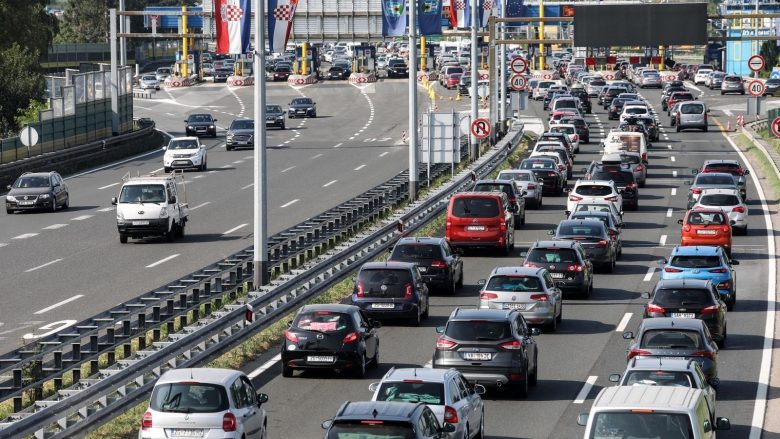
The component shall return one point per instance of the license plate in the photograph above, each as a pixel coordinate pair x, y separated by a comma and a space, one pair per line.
706, 232
475, 228
383, 305
476, 355
557, 275
185, 432
26, 203
520, 306
423, 269
320, 359
683, 315
140, 223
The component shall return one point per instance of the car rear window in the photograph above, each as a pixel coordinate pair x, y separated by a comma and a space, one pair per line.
567, 130
731, 168
598, 82
714, 179
384, 282
323, 321
537, 164
614, 175
517, 176
719, 200
568, 229
682, 96
659, 378
593, 190
371, 429
706, 218
552, 255
514, 283
412, 391
636, 110
692, 109
416, 251
478, 330
683, 297
475, 207
641, 425
494, 187
695, 261
189, 397
565, 103
666, 338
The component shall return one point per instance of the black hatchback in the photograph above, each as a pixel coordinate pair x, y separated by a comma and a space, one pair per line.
439, 265
567, 263
592, 234
391, 290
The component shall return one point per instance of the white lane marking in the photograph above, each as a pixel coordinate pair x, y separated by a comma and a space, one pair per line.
728, 112
624, 322
247, 186
200, 205
267, 365
285, 170
224, 166
3, 244
108, 186
669, 212
674, 173
384, 154
337, 145
672, 158
25, 236
228, 232
662, 241
82, 217
157, 170
249, 157
669, 146
238, 162
583, 395
54, 226
316, 156
329, 183
198, 177
674, 191
106, 209
360, 167
289, 203
162, 261
68, 300
43, 265
649, 275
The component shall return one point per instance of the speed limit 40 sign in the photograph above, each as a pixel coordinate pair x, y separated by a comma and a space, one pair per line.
756, 88
518, 82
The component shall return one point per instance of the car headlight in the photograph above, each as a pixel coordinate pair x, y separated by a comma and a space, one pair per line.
120, 217
10, 198
229, 135
211, 126
189, 127
44, 196
310, 108
163, 213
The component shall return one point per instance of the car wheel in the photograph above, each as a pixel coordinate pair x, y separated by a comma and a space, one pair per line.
522, 220
522, 387
375, 361
705, 129
287, 371
9, 211
204, 166
678, 128
742, 92
54, 204
66, 204
123, 238
534, 378
172, 233
228, 148
283, 127
180, 231
360, 370
552, 326
415, 321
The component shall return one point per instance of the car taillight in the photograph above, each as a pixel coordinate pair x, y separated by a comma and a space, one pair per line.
631, 186
710, 310
448, 225
719, 270
444, 344
349, 338
640, 168
611, 198
488, 296
512, 345
450, 415
146, 422
574, 268
531, 186
360, 291
603, 243
574, 198
644, 157
655, 309
634, 352
672, 270
686, 228
576, 138
290, 336
708, 354
408, 291
725, 285
696, 191
229, 422
439, 264
738, 209
725, 228
512, 200
540, 297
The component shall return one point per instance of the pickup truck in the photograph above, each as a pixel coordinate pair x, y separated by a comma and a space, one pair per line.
150, 206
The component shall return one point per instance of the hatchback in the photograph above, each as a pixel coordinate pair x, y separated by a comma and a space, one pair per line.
728, 166
532, 291
439, 265
516, 198
391, 290
624, 160
480, 219
379, 419
490, 347
204, 403
598, 206
526, 183
567, 263
709, 180
587, 190
558, 153
706, 226
613, 225
692, 115
571, 131
600, 248
703, 262
552, 178
37, 190
732, 205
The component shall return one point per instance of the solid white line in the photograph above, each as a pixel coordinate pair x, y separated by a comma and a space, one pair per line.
249, 157
44, 265
583, 395
163, 260
384, 154
285, 170
674, 191
336, 146
108, 186
662, 241
25, 236
649, 275
624, 322
82, 217
669, 213
49, 308
157, 170
2, 244
247, 186
360, 167
234, 229
54, 226
289, 203
198, 176
329, 183
316, 156
200, 205
672, 158
267, 365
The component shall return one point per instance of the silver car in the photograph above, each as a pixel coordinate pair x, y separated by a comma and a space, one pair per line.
716, 80
650, 79
525, 182
446, 391
691, 115
731, 203
208, 69
709, 180
732, 84
532, 291
163, 73
149, 82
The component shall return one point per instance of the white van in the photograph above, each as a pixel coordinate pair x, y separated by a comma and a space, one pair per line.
649, 412
150, 206
618, 141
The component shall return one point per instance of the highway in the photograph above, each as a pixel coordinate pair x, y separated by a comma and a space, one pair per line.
575, 361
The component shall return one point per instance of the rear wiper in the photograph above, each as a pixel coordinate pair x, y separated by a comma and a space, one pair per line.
485, 339
187, 410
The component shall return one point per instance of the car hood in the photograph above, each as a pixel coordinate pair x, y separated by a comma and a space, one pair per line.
29, 191
301, 106
246, 132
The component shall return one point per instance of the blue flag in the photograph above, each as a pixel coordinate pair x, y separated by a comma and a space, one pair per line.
393, 18
429, 17
514, 8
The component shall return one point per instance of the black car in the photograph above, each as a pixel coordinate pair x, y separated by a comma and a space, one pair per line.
649, 126
282, 72
546, 171
689, 299
200, 124
397, 68
609, 94
615, 108
555, 136
771, 86
302, 107
240, 134
274, 116
516, 200
567, 263
584, 99
221, 75
582, 128
330, 336
593, 237
463, 84
439, 265
39, 190
391, 290
612, 224
492, 347
625, 183
337, 73
381, 419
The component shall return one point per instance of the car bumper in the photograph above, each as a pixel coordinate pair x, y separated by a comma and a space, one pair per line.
575, 283
401, 310
299, 359
183, 163
163, 433
480, 243
491, 376
301, 113
740, 219
140, 228
201, 132
37, 204
541, 314
242, 143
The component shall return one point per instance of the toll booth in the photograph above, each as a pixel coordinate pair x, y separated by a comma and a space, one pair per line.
312, 59
364, 57
193, 62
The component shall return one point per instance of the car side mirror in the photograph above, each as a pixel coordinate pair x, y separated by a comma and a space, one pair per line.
8, 187
326, 424
185, 120
732, 222
113, 201
662, 261
479, 389
375, 323
680, 222
214, 120
440, 329
523, 254
628, 335
582, 419
164, 148
645, 295
694, 171
373, 386
524, 193
567, 190
714, 382
722, 424
614, 378
262, 398
173, 199
567, 212
535, 331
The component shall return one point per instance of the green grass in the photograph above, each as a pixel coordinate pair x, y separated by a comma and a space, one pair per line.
767, 176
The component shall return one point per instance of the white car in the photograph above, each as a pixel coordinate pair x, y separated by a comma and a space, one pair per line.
594, 190
525, 181
598, 206
634, 111
541, 89
701, 75
185, 153
730, 201
571, 131
149, 82
204, 403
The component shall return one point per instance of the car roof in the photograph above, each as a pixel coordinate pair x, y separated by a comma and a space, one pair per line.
223, 377
662, 398
516, 270
419, 373
696, 250
38, 174
185, 138
718, 191
671, 323
392, 265
502, 182
377, 410
681, 283
594, 182
480, 314
666, 364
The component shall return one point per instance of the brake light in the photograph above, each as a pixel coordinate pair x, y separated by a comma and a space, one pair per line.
531, 186
146, 422
512, 200
631, 186
644, 156
574, 268
696, 191
574, 198
640, 167
372, 422
725, 285
512, 345
439, 264
725, 228
708, 354
603, 243
360, 291
503, 226
719, 270
672, 270
611, 198
634, 352
738, 209
450, 415
290, 336
687, 228
352, 336
229, 422
576, 138
408, 291
488, 296
540, 297
448, 226
710, 310
655, 309
552, 174
443, 344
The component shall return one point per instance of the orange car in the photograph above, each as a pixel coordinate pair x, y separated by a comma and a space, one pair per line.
706, 226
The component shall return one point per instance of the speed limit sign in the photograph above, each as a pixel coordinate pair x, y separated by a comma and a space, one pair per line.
518, 82
756, 88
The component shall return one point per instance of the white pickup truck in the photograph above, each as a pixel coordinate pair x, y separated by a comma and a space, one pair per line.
150, 206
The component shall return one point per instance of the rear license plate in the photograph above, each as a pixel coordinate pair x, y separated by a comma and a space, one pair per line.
683, 315
557, 275
475, 228
140, 223
26, 203
706, 232
514, 306
476, 356
383, 305
320, 359
185, 432
423, 269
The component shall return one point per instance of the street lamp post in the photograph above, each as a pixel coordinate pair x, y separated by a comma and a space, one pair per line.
261, 275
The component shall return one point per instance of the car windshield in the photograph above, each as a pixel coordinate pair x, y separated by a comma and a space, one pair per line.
517, 176
476, 207
571, 229
416, 251
371, 429
183, 144
719, 200
199, 118
382, 282
695, 261
683, 297
593, 190
493, 187
189, 397
671, 339
706, 218
301, 101
412, 391
142, 193
659, 378
149, 78
714, 179
322, 321
273, 109
552, 255
537, 164
38, 181
245, 124
478, 330
514, 283
644, 425
692, 109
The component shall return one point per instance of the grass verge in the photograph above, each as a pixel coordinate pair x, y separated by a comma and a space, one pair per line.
768, 177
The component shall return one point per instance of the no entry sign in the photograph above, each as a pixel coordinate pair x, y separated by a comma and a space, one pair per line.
518, 65
756, 63
480, 128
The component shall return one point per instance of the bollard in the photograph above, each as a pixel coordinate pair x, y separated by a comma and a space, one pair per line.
141, 320
207, 289
250, 285
127, 350
111, 358
17, 404
183, 300
239, 273
126, 328
169, 307
232, 276
76, 375
37, 393
218, 303
207, 308
57, 384
182, 321
249, 269
170, 327
94, 367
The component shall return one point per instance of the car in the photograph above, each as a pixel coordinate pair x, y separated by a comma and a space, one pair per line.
397, 68
586, 190
547, 172
701, 73
716, 80
557, 152
709, 180
163, 73
597, 206
464, 84
567, 263
381, 61
516, 198
771, 86
208, 69
667, 92
491, 347
391, 290
451, 76
526, 183
281, 72
200, 124
206, 402
650, 78
610, 93
532, 291
445, 391
616, 108
582, 95
274, 116
677, 97
631, 161
185, 153
440, 266
149, 82
646, 124
37, 191
633, 110
302, 107
731, 203
541, 89
689, 299
706, 226
612, 224
703, 262
335, 337
594, 238
241, 132
581, 127
337, 72
571, 131
221, 75
480, 219
562, 138
728, 166
625, 182
376, 419
594, 87
668, 337
691, 115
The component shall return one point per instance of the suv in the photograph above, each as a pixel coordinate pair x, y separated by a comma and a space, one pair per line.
709, 180
691, 115
592, 234
703, 262
397, 68
241, 132
386, 419
567, 263
526, 183
625, 182
480, 219
439, 265
39, 190
630, 161
516, 198
532, 291
185, 153
391, 290
586, 190
490, 347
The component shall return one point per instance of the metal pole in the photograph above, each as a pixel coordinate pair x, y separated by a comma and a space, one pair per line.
413, 132
260, 172
494, 81
541, 36
114, 70
757, 47
502, 83
184, 43
474, 150
123, 40
430, 145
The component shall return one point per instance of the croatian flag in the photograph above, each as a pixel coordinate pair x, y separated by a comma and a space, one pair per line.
280, 20
233, 22
459, 13
488, 8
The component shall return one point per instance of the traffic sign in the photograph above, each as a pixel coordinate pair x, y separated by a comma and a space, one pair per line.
775, 126
518, 65
28, 136
775, 74
484, 76
250, 55
756, 63
517, 82
756, 88
480, 128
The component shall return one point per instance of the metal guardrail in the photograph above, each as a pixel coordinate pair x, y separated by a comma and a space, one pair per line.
93, 401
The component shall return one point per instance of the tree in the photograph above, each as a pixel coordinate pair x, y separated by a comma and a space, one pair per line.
770, 52
18, 70
84, 21
26, 22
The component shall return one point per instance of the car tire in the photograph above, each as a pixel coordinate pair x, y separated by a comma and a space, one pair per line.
722, 93
9, 211
228, 148
416, 321
677, 128
534, 378
66, 204
705, 129
374, 364
360, 370
742, 92
204, 166
552, 326
283, 127
287, 371
459, 283
54, 204
521, 388
123, 238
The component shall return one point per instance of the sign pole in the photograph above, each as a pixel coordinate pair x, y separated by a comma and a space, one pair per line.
474, 150
502, 84
413, 131
261, 275
114, 70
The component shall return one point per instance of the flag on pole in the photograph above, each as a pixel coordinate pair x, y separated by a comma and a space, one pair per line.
429, 17
233, 22
459, 13
393, 18
280, 20
489, 7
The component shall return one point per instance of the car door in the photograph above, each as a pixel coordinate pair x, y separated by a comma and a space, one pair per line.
369, 334
556, 294
474, 403
253, 421
709, 391
58, 189
457, 401
421, 287
453, 260
243, 406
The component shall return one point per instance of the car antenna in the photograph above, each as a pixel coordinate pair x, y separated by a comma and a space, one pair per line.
415, 372
191, 377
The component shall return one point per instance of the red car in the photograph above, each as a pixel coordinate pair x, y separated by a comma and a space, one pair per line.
678, 96
706, 226
480, 219
452, 80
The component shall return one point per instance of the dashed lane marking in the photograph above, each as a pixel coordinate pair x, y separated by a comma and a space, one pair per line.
25, 236
649, 274
42, 266
55, 226
227, 232
163, 260
329, 183
58, 304
583, 395
108, 186
289, 203
624, 322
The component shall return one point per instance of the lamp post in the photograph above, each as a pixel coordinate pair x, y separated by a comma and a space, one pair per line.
261, 276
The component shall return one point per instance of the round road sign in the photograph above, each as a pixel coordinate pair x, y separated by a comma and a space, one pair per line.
28, 136
480, 128
756, 63
518, 82
518, 65
775, 126
756, 88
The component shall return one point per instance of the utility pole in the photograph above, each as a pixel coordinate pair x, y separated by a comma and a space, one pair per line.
474, 150
413, 172
114, 70
261, 265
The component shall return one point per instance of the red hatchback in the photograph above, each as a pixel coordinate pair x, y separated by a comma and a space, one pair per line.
480, 219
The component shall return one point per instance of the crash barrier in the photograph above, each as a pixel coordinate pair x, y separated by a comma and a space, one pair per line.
110, 391
362, 78
88, 155
239, 81
143, 94
176, 81
302, 79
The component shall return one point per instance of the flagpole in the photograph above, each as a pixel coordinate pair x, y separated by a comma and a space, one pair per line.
474, 77
413, 171
261, 274
502, 84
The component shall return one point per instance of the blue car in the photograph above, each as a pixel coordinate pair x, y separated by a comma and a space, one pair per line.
703, 262
391, 290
